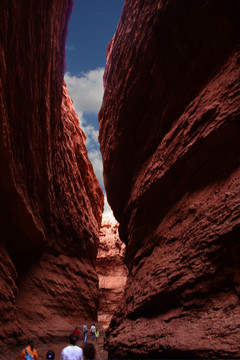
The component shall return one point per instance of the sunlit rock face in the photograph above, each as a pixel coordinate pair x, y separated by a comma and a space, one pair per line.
112, 271
169, 134
51, 202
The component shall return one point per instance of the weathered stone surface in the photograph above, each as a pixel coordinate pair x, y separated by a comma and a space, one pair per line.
51, 203
111, 270
169, 134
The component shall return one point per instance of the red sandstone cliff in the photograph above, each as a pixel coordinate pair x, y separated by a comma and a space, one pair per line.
169, 134
111, 270
51, 202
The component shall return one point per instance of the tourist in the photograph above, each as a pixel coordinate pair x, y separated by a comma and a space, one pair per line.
92, 331
97, 335
77, 332
72, 351
89, 352
85, 332
50, 354
29, 352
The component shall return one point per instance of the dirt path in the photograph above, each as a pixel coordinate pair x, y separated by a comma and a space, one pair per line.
42, 350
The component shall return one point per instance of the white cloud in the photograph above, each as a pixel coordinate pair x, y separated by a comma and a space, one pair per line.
81, 118
107, 210
86, 90
90, 131
96, 160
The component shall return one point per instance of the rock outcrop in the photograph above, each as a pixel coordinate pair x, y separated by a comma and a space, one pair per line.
111, 270
51, 202
169, 135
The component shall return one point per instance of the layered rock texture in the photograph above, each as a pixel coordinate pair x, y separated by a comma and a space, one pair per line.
111, 270
51, 202
169, 134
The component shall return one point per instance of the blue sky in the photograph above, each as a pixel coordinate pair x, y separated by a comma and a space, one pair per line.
91, 27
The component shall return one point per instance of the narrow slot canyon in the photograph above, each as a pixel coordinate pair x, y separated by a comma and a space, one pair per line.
163, 279
111, 270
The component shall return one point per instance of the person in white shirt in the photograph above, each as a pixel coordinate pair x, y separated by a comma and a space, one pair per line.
93, 330
72, 351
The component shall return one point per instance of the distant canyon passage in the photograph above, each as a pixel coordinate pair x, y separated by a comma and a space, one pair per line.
111, 270
169, 137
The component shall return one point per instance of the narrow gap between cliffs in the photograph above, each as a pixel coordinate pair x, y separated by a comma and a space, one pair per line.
91, 28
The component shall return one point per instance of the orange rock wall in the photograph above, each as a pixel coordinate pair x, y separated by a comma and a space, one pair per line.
50, 200
169, 134
111, 270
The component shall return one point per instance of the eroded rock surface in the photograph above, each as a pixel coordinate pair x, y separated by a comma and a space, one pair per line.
111, 270
51, 202
169, 134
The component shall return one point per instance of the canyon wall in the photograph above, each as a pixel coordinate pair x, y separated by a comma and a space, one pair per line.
111, 270
169, 135
50, 200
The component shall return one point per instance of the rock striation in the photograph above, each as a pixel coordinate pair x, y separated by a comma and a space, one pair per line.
50, 200
169, 135
111, 270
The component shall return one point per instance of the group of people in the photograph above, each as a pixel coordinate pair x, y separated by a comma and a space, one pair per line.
93, 331
72, 351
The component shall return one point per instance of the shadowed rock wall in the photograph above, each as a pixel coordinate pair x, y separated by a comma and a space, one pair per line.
50, 201
169, 134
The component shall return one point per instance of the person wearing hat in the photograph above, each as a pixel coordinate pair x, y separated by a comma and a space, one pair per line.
50, 354
72, 351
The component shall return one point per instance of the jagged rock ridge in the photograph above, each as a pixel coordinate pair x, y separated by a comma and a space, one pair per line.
51, 202
169, 135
